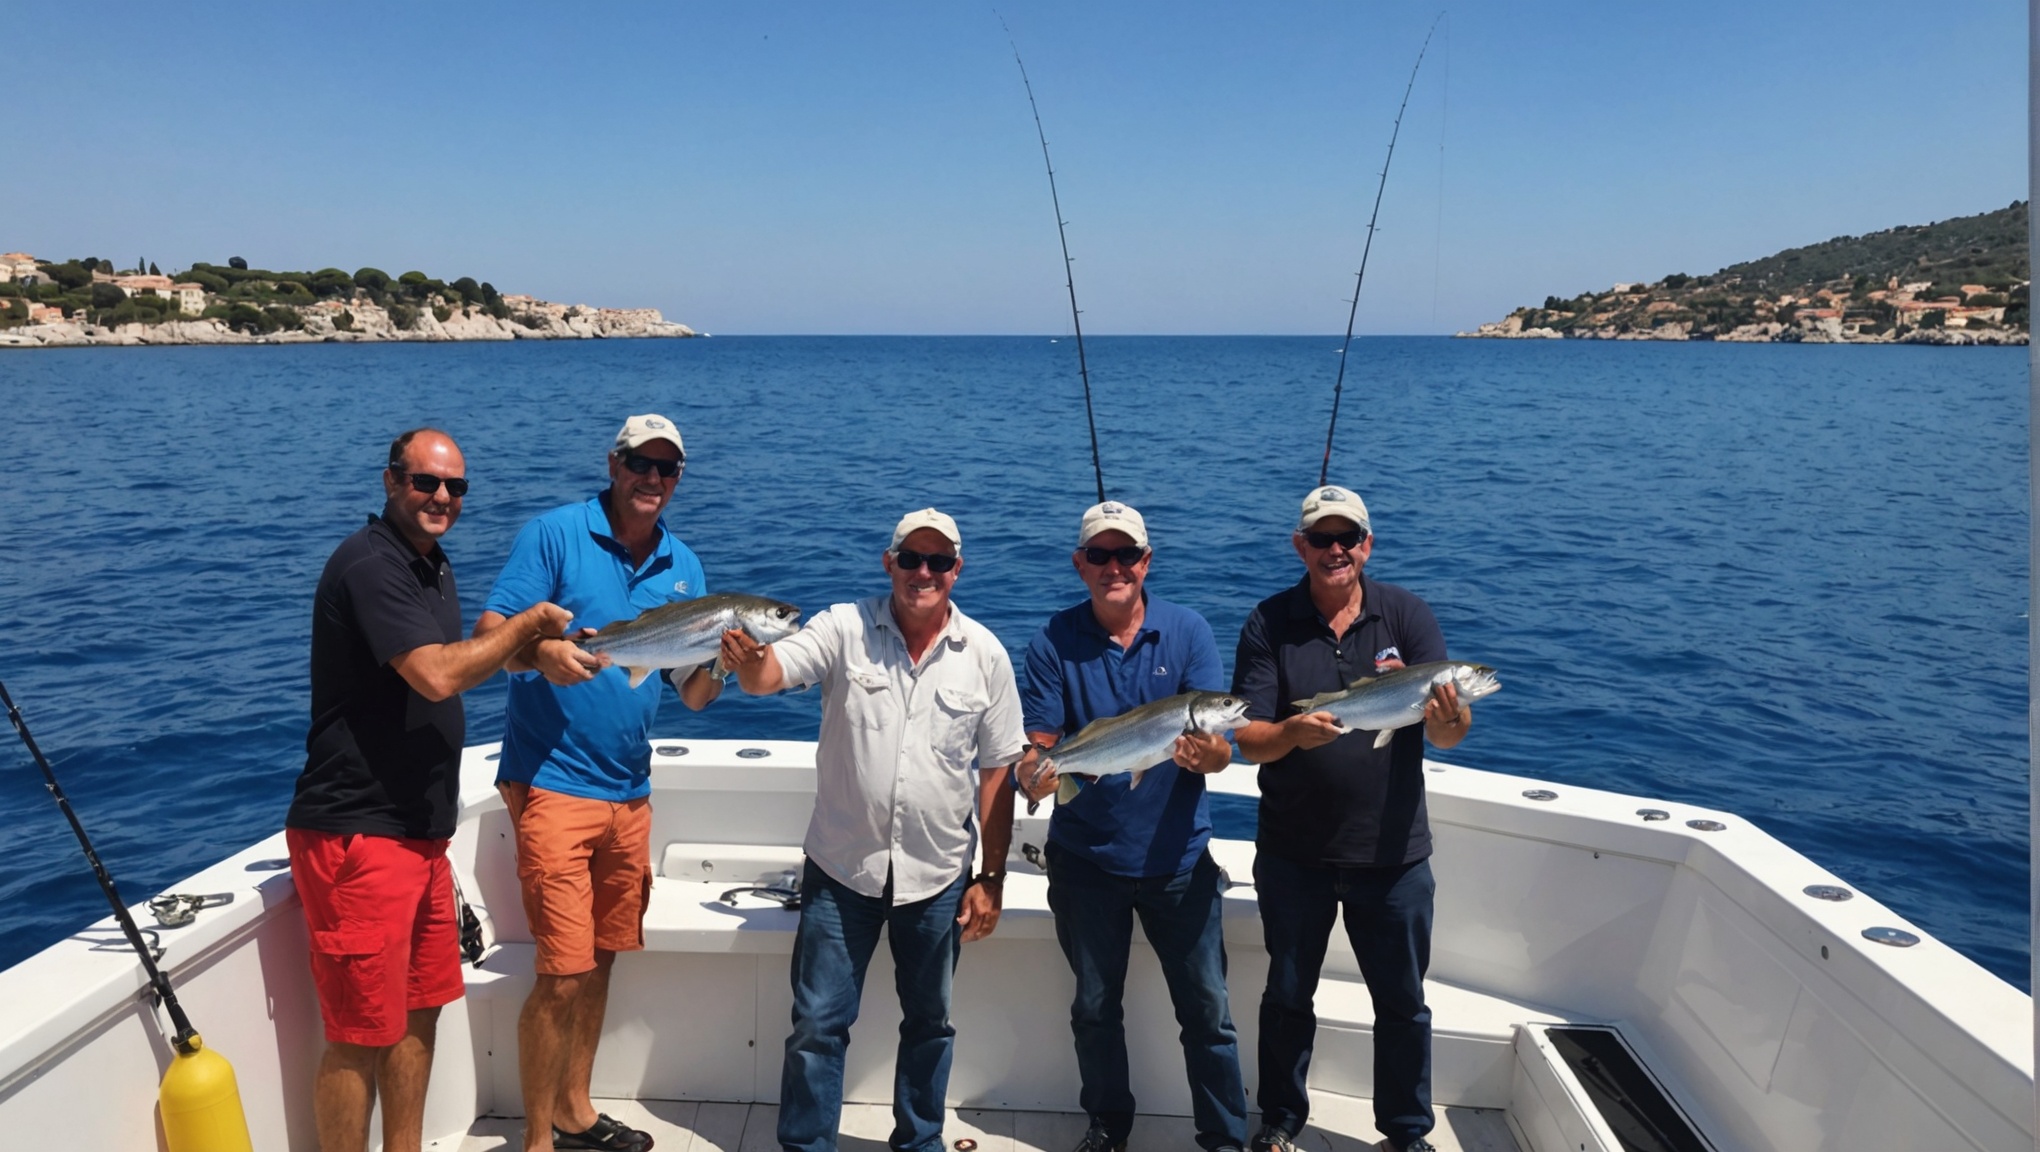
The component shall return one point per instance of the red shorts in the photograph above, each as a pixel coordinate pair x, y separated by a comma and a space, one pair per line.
385, 939
585, 867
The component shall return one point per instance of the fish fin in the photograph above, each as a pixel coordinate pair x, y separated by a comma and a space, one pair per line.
1362, 680
717, 670
637, 675
1387, 734
1066, 789
1317, 701
1135, 782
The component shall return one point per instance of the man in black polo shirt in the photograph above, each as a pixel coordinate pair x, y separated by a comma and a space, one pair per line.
1342, 824
380, 792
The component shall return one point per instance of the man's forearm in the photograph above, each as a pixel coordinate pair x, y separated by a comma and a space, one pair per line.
440, 671
700, 688
1264, 740
995, 816
522, 659
1445, 733
764, 677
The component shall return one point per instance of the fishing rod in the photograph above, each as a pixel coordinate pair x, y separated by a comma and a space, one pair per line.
1339, 385
201, 1102
1069, 275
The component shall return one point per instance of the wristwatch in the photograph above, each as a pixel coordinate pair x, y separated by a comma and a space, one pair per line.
998, 877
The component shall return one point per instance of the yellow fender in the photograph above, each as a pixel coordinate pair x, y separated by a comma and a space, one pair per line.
200, 1103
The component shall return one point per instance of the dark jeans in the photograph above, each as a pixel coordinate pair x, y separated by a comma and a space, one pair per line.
1388, 919
831, 951
1181, 915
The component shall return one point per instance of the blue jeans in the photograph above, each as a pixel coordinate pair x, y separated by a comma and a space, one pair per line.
831, 951
1181, 915
1388, 919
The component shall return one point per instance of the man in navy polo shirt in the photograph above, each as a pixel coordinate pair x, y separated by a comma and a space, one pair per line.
1115, 851
380, 792
576, 768
1342, 823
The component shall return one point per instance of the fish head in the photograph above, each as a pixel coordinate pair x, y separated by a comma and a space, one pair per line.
769, 620
1474, 681
1218, 712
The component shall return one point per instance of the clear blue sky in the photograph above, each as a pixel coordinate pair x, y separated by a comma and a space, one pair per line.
821, 168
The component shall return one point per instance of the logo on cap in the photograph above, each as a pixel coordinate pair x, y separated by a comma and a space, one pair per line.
655, 423
1330, 494
1109, 509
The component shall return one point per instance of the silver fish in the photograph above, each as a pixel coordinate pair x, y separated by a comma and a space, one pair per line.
689, 632
1138, 740
1395, 699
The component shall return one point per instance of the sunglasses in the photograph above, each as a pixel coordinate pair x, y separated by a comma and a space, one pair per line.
1348, 540
639, 465
1127, 556
937, 562
425, 483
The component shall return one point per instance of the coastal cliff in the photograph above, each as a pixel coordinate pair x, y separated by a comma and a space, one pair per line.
1959, 281
366, 323
50, 304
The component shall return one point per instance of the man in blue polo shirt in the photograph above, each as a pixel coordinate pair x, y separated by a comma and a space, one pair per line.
576, 768
1115, 851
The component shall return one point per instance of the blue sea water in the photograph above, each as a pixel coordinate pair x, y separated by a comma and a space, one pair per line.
1789, 581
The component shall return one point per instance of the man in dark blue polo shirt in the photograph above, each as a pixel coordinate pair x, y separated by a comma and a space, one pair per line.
1115, 851
1342, 823
380, 793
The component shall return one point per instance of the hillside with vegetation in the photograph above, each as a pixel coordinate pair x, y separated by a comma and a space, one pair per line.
88, 300
1960, 281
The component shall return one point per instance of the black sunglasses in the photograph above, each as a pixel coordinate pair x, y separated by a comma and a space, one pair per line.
1127, 556
1348, 540
639, 465
428, 484
937, 562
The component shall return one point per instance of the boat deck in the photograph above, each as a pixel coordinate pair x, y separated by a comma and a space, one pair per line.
1340, 1124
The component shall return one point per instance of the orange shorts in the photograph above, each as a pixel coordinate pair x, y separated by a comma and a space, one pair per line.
585, 867
385, 940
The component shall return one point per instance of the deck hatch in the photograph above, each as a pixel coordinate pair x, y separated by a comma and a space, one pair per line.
1631, 1101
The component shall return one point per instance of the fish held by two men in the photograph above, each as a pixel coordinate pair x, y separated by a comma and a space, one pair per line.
1136, 741
689, 632
1395, 699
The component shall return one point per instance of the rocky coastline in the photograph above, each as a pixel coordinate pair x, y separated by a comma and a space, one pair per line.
362, 322
1961, 281
1821, 330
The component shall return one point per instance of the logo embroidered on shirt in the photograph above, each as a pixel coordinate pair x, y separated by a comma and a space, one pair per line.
1161, 670
1389, 653
680, 586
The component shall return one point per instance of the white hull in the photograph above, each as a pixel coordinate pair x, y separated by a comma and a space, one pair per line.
1765, 1013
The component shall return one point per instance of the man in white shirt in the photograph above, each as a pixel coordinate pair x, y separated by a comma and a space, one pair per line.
920, 726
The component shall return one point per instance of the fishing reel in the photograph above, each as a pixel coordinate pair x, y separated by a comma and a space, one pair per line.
176, 909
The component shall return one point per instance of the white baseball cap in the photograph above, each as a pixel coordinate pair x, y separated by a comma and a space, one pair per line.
927, 518
639, 431
1112, 516
1333, 500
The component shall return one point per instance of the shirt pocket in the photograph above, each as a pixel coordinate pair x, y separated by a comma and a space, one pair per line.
955, 722
867, 698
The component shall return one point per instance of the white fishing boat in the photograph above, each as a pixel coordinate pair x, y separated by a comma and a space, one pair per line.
1609, 973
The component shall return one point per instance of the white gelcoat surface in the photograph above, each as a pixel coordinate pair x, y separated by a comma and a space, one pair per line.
1773, 1022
